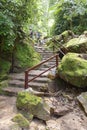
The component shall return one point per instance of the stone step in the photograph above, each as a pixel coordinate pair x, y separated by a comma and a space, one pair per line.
39, 48
48, 65
46, 52
43, 51
37, 86
20, 84
16, 83
12, 91
37, 72
17, 76
39, 79
52, 60
44, 68
32, 73
46, 56
22, 78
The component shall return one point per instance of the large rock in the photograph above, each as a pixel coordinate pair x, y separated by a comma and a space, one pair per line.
77, 45
56, 41
83, 100
73, 69
34, 105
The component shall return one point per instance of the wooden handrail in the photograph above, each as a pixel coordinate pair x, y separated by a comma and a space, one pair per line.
41, 63
28, 70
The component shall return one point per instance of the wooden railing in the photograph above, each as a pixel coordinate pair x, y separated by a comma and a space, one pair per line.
32, 68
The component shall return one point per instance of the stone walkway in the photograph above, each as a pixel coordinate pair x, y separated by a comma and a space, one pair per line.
67, 113
16, 80
16, 84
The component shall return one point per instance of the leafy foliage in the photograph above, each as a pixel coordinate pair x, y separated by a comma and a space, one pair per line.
15, 18
14, 15
70, 15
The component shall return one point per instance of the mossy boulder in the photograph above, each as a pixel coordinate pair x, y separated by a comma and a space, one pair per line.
25, 56
82, 98
3, 84
58, 40
67, 35
73, 69
4, 69
34, 105
77, 45
21, 121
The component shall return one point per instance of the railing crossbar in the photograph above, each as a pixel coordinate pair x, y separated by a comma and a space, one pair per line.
28, 70
41, 74
41, 63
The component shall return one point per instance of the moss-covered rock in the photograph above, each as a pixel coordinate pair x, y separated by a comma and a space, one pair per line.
52, 74
21, 121
82, 98
4, 69
57, 41
67, 35
33, 104
27, 115
25, 56
73, 69
77, 45
3, 84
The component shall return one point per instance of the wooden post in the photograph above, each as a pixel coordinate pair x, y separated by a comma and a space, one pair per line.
26, 80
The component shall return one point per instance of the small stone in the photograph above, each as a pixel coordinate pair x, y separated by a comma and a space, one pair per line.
52, 125
52, 74
21, 121
83, 100
61, 111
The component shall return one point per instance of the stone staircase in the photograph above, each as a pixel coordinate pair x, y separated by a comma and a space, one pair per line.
16, 80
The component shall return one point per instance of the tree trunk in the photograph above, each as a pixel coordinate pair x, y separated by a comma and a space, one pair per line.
71, 25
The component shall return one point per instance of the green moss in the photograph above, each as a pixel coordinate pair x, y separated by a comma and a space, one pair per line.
26, 56
85, 96
21, 121
65, 34
53, 44
73, 41
25, 100
27, 115
77, 45
4, 69
73, 69
4, 83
